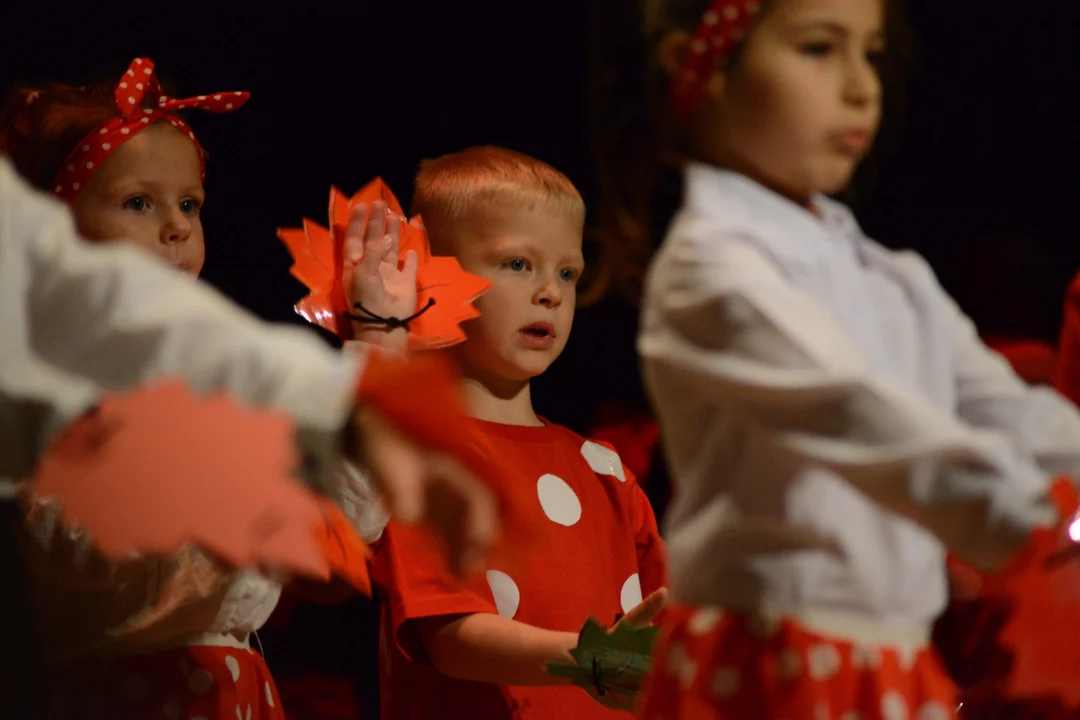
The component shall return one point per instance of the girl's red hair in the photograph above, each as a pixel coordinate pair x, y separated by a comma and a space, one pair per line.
39, 127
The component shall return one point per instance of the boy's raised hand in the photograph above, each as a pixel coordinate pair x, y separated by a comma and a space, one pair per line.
374, 277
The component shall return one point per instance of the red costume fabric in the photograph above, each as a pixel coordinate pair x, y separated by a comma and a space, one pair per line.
579, 540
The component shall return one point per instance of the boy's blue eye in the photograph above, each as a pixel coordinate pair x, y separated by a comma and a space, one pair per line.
567, 275
137, 203
517, 265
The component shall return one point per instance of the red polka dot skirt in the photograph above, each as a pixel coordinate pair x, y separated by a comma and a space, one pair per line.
714, 665
193, 683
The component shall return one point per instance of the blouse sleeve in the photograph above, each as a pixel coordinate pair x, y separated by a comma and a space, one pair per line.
78, 318
1042, 424
726, 326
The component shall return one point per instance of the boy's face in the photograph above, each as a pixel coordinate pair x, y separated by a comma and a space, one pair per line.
533, 259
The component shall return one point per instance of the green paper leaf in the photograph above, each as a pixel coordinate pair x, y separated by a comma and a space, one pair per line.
620, 658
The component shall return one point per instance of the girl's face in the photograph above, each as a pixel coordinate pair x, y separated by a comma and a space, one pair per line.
149, 191
802, 104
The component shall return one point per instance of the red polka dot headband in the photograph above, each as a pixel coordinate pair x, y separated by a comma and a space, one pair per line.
139, 84
722, 27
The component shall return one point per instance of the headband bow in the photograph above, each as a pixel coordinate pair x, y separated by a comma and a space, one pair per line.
137, 86
722, 26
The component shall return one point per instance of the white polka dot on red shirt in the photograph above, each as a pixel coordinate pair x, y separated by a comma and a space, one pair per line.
630, 595
603, 460
558, 500
505, 591
234, 667
106, 146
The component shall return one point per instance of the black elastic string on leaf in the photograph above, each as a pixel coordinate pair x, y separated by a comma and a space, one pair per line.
596, 674
391, 322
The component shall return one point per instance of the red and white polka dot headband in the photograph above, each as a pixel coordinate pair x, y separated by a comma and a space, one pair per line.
722, 27
137, 85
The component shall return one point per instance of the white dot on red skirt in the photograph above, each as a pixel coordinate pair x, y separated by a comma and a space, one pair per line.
703, 621
269, 694
821, 712
865, 658
893, 706
823, 661
201, 681
934, 710
851, 715
234, 667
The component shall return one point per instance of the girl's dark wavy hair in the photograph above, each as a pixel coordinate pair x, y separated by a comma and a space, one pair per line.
636, 141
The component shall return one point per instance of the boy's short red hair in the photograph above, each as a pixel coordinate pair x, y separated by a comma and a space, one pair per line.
452, 190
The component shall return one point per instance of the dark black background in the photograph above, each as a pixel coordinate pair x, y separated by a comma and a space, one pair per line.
981, 179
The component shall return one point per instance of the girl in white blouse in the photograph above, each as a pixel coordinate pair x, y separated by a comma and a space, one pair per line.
832, 421
176, 629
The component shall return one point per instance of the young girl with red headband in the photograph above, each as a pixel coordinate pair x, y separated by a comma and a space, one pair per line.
832, 422
173, 632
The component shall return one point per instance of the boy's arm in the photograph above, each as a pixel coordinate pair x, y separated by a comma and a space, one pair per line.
484, 647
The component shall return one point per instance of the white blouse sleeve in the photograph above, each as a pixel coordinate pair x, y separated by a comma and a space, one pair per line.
1043, 424
77, 318
725, 327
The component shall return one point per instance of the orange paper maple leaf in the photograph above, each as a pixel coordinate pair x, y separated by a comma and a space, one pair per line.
158, 468
1041, 589
318, 255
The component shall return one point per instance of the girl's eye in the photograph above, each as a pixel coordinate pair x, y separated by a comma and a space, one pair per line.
817, 49
136, 204
190, 206
567, 275
517, 265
